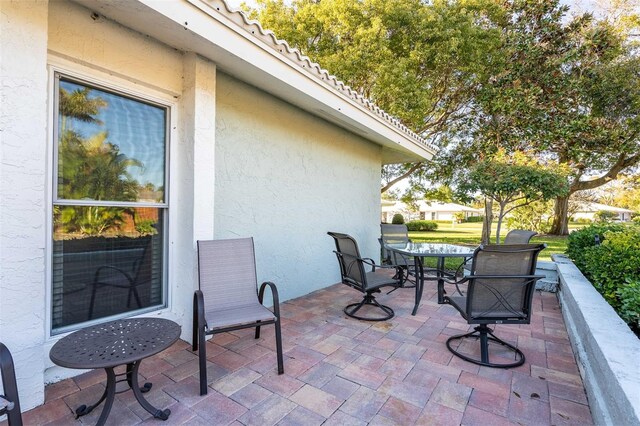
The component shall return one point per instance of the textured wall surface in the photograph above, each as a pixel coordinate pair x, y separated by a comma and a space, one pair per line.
23, 126
242, 164
286, 178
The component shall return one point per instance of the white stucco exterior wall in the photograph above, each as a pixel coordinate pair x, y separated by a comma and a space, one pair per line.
242, 163
23, 126
285, 178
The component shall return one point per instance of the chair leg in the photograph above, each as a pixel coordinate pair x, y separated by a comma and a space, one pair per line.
485, 334
202, 361
257, 335
279, 346
370, 300
194, 337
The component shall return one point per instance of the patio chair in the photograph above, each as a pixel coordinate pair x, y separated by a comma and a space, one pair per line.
519, 236
515, 236
9, 400
499, 291
397, 234
228, 298
353, 274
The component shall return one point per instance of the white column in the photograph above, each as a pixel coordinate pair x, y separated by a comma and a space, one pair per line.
23, 207
194, 184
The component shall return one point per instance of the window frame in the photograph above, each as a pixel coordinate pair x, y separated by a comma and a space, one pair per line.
119, 87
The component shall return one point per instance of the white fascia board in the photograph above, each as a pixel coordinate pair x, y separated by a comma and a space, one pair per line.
197, 26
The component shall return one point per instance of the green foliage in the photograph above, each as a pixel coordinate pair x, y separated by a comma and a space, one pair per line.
534, 217
420, 61
146, 226
474, 219
605, 216
629, 295
398, 219
422, 225
89, 220
612, 266
580, 241
513, 181
90, 168
459, 217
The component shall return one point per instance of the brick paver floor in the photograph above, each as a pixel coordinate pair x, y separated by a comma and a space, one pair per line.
340, 371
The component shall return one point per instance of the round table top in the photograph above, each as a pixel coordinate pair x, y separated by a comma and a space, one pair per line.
431, 249
114, 343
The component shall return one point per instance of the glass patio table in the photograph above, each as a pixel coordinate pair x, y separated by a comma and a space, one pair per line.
121, 342
440, 251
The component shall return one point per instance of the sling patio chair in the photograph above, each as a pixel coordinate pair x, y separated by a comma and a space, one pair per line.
499, 291
397, 234
9, 400
353, 274
228, 297
519, 236
515, 236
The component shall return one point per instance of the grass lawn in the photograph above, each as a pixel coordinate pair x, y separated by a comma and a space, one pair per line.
469, 234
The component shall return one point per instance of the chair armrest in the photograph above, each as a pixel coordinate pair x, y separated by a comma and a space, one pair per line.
503, 277
100, 269
198, 307
274, 294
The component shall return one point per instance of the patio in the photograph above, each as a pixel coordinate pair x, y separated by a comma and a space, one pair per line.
340, 371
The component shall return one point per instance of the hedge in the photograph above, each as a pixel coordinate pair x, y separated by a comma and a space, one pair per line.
422, 225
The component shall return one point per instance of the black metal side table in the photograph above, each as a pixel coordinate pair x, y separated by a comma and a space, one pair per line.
115, 343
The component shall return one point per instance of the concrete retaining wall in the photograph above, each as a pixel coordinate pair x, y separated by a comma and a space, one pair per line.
606, 349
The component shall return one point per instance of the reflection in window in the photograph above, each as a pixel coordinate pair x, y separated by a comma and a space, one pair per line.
109, 147
109, 207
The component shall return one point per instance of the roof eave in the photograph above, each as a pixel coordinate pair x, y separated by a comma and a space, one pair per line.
245, 51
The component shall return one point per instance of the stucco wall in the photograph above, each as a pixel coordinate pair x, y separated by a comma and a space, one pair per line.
286, 178
23, 125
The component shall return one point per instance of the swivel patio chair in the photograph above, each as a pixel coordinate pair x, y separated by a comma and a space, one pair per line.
397, 234
500, 291
353, 274
228, 298
519, 236
9, 400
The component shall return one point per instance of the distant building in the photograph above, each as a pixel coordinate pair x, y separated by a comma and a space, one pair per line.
427, 210
589, 210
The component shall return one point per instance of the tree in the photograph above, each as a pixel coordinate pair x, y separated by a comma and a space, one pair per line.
420, 61
513, 181
569, 92
90, 167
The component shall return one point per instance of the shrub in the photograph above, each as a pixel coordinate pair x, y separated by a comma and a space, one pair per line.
474, 219
605, 216
614, 262
581, 240
629, 295
398, 219
422, 225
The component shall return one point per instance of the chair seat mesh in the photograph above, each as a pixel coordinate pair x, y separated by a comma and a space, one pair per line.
378, 279
237, 315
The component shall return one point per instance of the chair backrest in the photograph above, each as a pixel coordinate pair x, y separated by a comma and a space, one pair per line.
519, 236
502, 300
393, 234
351, 266
10, 388
227, 272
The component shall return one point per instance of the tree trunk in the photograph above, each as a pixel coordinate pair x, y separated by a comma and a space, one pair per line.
499, 227
488, 219
561, 217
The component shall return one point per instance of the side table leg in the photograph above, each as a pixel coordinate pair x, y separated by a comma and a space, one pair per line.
108, 397
132, 377
440, 274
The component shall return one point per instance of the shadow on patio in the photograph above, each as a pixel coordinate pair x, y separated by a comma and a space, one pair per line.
341, 371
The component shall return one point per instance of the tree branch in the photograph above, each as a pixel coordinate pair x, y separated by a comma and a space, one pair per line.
406, 174
622, 163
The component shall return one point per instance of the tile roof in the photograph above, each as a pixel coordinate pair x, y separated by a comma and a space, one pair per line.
305, 63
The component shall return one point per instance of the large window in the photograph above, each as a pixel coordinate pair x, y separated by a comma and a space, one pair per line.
109, 204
